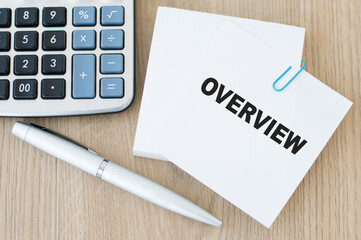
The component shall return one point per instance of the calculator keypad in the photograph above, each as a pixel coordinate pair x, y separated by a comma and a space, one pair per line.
25, 65
53, 64
25, 89
4, 89
54, 16
53, 89
4, 65
5, 17
4, 41
82, 56
27, 17
54, 40
26, 41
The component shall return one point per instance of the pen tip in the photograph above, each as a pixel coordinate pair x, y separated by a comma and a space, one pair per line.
209, 219
215, 222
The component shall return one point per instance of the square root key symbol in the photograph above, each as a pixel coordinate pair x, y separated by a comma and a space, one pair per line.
112, 16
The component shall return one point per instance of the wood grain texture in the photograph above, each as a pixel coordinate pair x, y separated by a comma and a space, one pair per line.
44, 198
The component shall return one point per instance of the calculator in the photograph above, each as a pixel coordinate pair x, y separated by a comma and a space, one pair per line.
65, 58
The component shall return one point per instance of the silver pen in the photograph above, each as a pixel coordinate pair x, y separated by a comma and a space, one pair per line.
79, 156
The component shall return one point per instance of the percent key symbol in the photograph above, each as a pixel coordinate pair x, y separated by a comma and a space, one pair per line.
83, 14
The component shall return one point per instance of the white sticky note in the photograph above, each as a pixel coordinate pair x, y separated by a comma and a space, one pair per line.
179, 39
256, 159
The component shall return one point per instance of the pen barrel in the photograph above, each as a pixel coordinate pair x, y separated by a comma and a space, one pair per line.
155, 193
95, 165
59, 147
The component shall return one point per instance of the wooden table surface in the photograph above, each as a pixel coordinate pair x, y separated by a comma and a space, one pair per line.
44, 198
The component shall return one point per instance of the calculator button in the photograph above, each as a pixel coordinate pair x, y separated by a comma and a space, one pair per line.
84, 16
27, 17
112, 87
25, 89
54, 40
112, 63
4, 65
83, 79
53, 89
112, 39
112, 16
4, 89
53, 64
84, 40
4, 41
26, 41
54, 16
5, 17
26, 65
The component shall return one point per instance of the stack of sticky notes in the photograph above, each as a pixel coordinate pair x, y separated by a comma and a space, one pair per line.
212, 105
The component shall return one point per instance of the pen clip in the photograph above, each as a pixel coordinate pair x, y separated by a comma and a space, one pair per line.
63, 137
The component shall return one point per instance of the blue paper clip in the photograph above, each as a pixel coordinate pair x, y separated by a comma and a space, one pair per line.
278, 90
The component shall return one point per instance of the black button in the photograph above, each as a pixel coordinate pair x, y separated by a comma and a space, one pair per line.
25, 65
53, 89
4, 65
27, 17
54, 40
5, 17
26, 41
4, 89
25, 89
4, 41
53, 64
54, 17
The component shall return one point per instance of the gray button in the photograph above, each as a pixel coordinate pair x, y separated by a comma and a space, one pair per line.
84, 16
83, 79
112, 39
84, 39
112, 63
112, 16
112, 88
